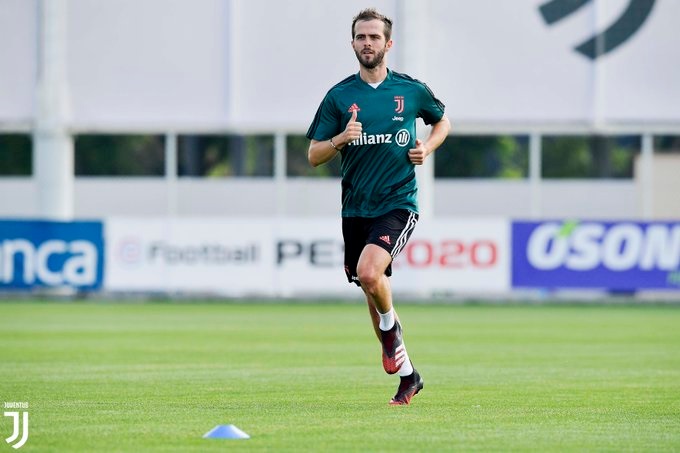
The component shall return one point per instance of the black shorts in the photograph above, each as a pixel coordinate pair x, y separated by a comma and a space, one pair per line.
390, 231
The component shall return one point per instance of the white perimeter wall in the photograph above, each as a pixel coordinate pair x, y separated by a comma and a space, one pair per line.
310, 197
239, 66
217, 64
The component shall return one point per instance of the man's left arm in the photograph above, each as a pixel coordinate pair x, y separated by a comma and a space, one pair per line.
438, 133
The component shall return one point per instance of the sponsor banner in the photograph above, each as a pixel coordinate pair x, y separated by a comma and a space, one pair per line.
309, 258
238, 257
441, 257
40, 254
290, 257
456, 255
208, 256
615, 256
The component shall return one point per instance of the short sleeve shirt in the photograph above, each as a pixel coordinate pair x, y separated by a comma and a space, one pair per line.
377, 175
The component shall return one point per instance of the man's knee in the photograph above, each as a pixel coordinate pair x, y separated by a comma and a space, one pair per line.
368, 277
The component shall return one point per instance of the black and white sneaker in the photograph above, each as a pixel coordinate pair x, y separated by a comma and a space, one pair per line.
393, 349
408, 387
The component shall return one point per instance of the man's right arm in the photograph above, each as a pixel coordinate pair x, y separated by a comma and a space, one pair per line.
320, 152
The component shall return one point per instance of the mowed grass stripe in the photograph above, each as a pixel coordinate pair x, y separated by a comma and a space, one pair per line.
306, 377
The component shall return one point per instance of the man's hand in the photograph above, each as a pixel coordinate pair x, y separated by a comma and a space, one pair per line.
418, 154
353, 129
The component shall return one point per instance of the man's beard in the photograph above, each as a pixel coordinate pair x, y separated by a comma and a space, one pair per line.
377, 59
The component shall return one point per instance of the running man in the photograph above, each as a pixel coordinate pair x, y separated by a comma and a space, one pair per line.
370, 120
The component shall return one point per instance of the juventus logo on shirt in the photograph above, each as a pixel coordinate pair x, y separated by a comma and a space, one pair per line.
400, 104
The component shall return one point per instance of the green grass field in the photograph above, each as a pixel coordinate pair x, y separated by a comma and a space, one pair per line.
135, 377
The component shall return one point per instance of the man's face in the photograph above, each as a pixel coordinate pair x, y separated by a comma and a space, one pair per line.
369, 42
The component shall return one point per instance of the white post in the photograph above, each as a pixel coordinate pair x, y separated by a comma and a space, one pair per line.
53, 160
280, 177
411, 28
171, 172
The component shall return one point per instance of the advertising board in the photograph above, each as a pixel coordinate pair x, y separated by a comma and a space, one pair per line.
615, 256
35, 254
293, 257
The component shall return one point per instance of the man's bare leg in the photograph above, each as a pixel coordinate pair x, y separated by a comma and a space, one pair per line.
376, 285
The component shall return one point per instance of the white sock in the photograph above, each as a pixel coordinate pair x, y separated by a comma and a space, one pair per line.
386, 320
406, 368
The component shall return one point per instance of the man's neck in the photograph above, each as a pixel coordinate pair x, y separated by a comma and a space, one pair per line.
375, 75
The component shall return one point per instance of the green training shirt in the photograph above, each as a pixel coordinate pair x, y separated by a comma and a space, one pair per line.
377, 175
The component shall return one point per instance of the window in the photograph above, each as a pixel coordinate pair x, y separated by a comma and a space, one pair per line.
473, 156
226, 155
589, 156
298, 165
667, 144
119, 155
15, 155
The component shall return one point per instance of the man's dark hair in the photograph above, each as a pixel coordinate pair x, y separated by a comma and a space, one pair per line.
370, 14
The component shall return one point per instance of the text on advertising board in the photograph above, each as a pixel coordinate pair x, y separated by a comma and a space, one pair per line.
41, 253
609, 255
418, 253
